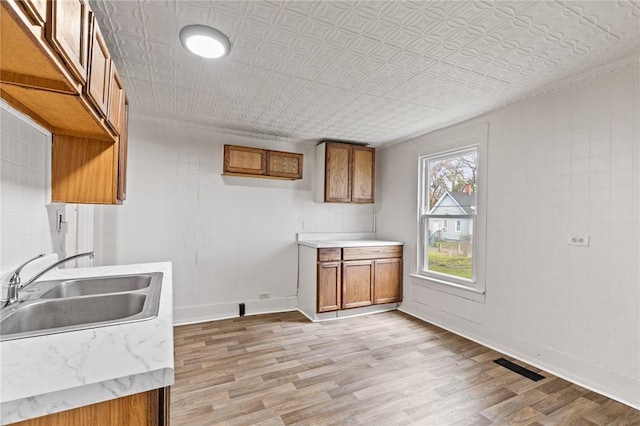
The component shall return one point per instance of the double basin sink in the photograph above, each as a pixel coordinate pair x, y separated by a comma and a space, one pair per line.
50, 307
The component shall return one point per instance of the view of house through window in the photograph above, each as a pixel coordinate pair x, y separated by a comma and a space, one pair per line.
448, 212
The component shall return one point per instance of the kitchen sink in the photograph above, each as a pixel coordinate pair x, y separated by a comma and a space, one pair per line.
91, 286
70, 305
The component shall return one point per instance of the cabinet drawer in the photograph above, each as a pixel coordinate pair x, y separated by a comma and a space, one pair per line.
329, 254
382, 252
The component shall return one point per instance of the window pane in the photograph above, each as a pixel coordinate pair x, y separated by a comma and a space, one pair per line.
449, 252
452, 184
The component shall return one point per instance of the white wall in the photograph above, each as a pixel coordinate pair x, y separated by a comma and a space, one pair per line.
26, 224
229, 238
564, 163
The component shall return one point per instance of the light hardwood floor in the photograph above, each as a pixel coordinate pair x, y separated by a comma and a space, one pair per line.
383, 369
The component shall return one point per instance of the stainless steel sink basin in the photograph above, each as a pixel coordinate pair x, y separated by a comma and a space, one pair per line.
70, 305
102, 285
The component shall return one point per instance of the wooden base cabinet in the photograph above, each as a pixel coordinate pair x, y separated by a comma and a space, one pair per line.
142, 409
357, 277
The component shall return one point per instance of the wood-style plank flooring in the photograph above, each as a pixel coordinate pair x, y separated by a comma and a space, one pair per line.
383, 369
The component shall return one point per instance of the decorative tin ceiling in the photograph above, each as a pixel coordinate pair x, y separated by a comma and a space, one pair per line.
367, 71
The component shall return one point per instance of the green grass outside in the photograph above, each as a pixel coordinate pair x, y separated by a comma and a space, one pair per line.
458, 266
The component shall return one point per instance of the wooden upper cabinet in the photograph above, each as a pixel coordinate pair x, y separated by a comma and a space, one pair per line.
67, 31
116, 109
99, 72
362, 174
36, 10
284, 164
337, 173
346, 172
261, 163
245, 160
123, 146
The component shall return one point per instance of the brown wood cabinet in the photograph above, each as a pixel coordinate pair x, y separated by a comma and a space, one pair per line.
99, 76
346, 173
67, 30
357, 283
354, 277
261, 163
56, 68
143, 409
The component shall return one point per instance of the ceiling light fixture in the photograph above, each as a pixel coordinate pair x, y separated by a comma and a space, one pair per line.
205, 41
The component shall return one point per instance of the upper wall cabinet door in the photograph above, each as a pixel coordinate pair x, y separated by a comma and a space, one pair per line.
123, 146
67, 31
363, 162
115, 112
244, 160
284, 164
99, 72
337, 186
36, 10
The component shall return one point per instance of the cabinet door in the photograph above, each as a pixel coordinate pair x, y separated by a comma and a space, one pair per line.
36, 10
357, 284
67, 31
116, 101
363, 178
337, 186
99, 73
284, 164
387, 286
123, 147
328, 284
244, 160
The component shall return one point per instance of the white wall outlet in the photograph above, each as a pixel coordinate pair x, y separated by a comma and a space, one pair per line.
579, 240
264, 295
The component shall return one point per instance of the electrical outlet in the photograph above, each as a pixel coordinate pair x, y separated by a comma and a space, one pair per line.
579, 240
264, 295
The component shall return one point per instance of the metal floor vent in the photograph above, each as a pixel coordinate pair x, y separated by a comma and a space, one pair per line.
532, 375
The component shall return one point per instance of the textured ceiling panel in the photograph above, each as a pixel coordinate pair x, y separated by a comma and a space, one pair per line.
368, 71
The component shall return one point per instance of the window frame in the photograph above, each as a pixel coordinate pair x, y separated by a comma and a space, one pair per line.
443, 144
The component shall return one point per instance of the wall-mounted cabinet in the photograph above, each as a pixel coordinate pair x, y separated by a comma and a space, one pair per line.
56, 68
345, 173
261, 163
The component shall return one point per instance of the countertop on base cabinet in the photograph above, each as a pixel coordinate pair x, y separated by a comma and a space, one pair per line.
57, 372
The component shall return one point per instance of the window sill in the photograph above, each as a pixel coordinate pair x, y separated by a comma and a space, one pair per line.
449, 287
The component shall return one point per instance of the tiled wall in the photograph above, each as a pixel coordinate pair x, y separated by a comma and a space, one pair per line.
25, 225
229, 238
561, 164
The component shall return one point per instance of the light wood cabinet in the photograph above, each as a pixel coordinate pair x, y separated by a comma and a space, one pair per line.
143, 409
67, 30
345, 173
99, 76
56, 68
261, 163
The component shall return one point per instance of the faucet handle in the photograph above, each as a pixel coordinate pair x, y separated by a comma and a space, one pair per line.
15, 278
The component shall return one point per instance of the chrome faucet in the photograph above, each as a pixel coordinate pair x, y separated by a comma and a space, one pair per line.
15, 283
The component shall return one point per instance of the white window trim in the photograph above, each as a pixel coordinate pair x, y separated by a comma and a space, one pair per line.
442, 143
458, 226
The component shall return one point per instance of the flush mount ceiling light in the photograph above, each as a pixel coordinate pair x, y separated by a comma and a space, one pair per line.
205, 41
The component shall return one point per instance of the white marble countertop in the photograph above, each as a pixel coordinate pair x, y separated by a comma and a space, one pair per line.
46, 374
342, 239
348, 243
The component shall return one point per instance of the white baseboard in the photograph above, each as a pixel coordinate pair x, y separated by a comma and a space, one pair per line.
197, 314
533, 362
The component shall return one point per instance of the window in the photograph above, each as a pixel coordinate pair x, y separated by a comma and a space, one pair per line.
448, 189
